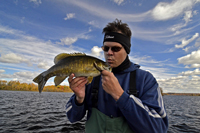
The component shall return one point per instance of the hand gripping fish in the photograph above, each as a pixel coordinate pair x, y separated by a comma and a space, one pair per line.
78, 63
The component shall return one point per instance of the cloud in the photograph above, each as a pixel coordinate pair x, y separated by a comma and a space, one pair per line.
193, 66
190, 59
28, 75
177, 27
22, 20
13, 58
165, 11
94, 23
91, 22
24, 44
83, 36
190, 73
180, 84
118, 1
6, 30
162, 11
188, 16
23, 77
43, 65
19, 48
69, 16
187, 49
186, 42
2, 71
169, 84
197, 43
67, 40
71, 40
33, 48
96, 51
36, 2
157, 68
109, 14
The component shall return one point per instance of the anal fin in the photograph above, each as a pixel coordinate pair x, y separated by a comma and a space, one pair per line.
59, 79
90, 78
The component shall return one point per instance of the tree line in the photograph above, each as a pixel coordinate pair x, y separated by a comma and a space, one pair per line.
17, 86
182, 94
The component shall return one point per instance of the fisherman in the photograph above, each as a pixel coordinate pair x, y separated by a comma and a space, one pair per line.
125, 100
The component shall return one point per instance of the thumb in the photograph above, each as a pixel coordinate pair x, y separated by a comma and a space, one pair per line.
105, 72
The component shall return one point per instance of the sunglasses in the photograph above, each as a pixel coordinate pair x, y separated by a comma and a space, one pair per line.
114, 48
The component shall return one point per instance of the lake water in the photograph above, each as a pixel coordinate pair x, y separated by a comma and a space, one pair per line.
33, 112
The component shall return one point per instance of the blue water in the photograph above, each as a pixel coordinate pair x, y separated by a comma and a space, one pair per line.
33, 112
183, 113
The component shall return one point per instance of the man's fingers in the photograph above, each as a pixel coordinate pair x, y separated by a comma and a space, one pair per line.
78, 82
71, 78
105, 72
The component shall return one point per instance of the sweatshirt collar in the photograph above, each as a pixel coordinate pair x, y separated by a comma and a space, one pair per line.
124, 65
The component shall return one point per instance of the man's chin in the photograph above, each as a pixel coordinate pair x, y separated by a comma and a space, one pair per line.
111, 65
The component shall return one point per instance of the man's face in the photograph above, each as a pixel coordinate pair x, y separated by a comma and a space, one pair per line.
114, 59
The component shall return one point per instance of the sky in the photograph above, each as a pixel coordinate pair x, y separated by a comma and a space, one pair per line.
165, 37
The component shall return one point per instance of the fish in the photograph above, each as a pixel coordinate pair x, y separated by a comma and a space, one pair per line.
67, 63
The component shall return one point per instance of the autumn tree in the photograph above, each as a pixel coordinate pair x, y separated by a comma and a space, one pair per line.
16, 85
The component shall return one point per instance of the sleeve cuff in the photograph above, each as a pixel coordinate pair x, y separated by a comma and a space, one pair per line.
78, 104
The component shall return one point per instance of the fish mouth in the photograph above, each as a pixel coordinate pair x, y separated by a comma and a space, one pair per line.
107, 64
97, 67
102, 68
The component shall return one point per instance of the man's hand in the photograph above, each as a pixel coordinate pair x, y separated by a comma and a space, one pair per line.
111, 85
78, 87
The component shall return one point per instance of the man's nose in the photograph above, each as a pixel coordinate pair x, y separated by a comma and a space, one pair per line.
110, 52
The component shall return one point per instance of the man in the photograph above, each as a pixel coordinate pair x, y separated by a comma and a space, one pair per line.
115, 108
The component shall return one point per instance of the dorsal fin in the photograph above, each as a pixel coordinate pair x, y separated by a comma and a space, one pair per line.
64, 55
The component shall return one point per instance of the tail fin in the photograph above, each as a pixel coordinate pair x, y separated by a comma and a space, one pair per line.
41, 80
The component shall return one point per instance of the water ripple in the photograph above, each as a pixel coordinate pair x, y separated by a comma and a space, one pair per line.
45, 112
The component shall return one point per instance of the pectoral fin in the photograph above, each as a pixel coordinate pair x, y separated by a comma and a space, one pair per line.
90, 78
59, 79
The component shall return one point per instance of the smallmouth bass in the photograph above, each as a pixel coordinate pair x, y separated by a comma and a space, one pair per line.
65, 64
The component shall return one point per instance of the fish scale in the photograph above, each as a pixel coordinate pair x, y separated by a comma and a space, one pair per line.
65, 64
